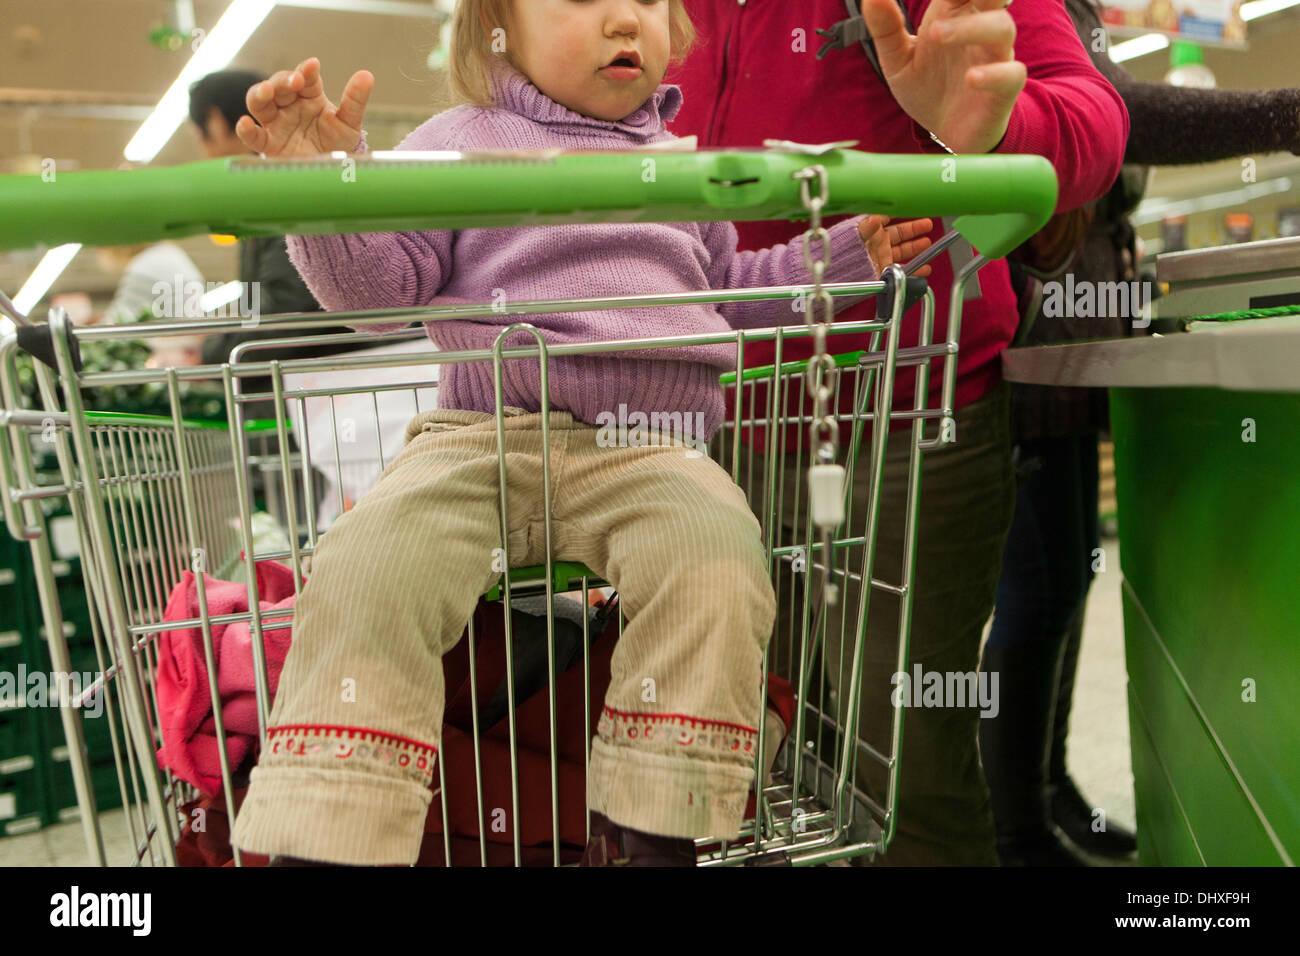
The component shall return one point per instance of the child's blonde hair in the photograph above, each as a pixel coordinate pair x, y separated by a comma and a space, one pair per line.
471, 58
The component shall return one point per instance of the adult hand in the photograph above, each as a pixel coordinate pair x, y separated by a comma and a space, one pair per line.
958, 76
297, 119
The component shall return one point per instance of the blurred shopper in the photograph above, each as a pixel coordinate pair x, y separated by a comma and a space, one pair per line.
150, 272
142, 267
1048, 560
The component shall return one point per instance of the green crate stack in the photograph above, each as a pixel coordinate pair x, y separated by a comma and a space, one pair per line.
23, 784
36, 787
75, 607
99, 746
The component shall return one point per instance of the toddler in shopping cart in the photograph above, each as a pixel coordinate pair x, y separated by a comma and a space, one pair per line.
345, 774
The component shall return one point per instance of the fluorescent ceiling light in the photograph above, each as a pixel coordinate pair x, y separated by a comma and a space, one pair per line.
397, 8
47, 270
1154, 211
215, 52
1262, 8
221, 295
1140, 46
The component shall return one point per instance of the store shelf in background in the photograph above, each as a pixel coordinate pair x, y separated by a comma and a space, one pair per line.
36, 786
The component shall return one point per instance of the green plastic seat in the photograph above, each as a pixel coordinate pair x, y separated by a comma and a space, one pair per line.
565, 576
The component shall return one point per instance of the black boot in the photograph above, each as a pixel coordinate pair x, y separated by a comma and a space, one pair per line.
1069, 810
1013, 749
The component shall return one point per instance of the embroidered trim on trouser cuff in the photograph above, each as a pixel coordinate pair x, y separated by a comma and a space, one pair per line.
356, 748
678, 735
669, 796
332, 817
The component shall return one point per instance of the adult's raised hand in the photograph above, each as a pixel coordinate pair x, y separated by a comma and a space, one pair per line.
296, 117
958, 76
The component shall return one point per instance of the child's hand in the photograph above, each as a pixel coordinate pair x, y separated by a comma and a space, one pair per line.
900, 242
296, 117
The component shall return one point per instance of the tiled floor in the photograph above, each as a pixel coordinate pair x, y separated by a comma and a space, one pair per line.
65, 844
1098, 747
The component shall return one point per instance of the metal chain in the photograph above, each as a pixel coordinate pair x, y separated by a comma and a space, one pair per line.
822, 374
825, 495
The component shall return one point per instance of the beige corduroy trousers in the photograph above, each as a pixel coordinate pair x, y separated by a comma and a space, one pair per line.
345, 775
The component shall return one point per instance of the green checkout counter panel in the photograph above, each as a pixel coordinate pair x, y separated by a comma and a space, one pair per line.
1206, 426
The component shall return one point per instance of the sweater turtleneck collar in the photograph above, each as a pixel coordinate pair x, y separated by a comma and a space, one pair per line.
515, 92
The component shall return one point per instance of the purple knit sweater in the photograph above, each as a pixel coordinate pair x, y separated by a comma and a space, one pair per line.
412, 269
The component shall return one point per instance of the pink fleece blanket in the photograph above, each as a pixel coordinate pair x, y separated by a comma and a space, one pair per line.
189, 731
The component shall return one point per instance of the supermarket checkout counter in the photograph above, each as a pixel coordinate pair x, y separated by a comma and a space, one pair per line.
1205, 416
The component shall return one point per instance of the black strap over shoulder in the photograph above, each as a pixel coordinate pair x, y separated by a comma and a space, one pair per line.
854, 30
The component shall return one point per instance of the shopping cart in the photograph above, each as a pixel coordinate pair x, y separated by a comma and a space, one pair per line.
154, 497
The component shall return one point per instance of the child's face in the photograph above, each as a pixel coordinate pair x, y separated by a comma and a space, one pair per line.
566, 47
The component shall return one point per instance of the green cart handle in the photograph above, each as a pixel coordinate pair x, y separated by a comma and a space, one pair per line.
1001, 200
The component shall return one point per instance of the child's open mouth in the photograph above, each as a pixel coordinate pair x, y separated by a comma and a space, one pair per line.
624, 68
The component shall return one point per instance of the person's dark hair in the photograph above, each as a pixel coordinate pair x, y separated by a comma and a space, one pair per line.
227, 91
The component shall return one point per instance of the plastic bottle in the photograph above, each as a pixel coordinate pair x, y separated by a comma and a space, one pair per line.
1188, 67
